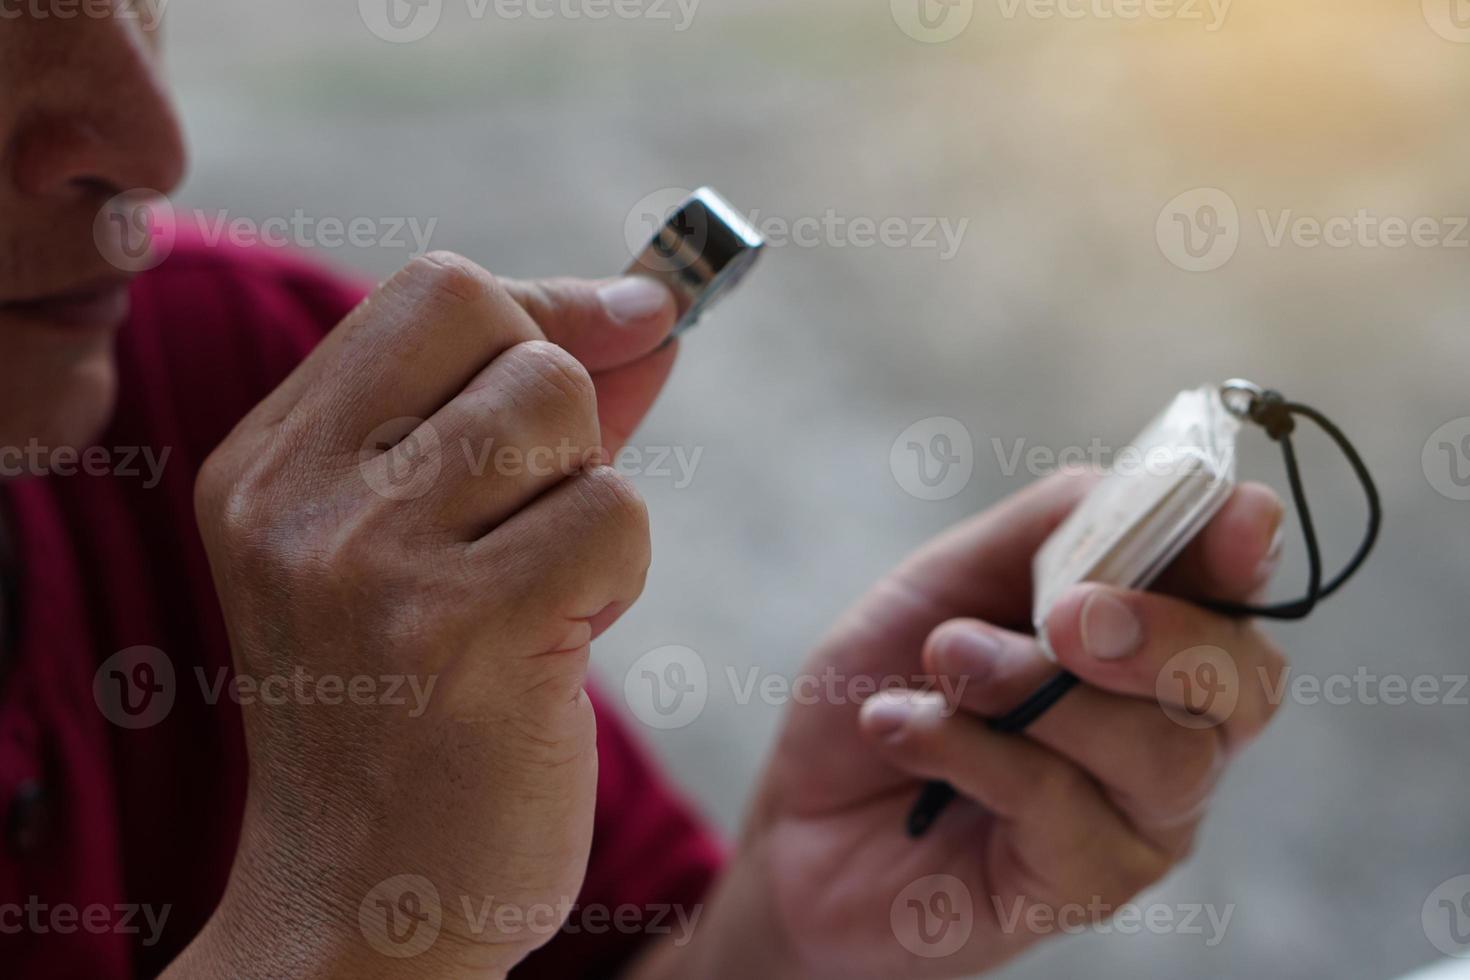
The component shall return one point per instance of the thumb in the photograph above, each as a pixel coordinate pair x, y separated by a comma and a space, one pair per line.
604, 324
970, 571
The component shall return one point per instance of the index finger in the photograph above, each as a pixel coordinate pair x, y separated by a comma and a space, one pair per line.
607, 325
404, 352
1138, 644
982, 568
1236, 554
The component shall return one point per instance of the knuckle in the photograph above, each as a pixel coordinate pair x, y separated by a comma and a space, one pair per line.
608, 497
211, 487
448, 276
268, 527
557, 373
233, 504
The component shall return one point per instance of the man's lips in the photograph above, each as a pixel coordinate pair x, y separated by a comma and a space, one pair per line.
100, 304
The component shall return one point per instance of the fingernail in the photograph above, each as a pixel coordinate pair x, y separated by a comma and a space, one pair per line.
1110, 630
969, 652
887, 713
1266, 570
633, 298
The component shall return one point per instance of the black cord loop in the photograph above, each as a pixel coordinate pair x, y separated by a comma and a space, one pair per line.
1276, 415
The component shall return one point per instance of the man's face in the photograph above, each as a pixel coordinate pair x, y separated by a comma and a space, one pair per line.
84, 116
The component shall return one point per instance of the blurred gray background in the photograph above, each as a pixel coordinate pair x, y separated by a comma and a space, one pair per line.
1061, 318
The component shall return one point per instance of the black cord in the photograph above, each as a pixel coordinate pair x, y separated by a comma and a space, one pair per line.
1276, 415
938, 794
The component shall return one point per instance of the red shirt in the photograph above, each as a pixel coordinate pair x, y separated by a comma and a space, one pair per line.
100, 818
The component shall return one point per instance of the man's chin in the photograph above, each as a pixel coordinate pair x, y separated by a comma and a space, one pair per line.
53, 407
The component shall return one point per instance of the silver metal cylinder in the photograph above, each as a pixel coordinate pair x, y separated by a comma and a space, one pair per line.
702, 251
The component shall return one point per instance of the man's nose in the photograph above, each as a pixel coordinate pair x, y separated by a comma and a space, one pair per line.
102, 122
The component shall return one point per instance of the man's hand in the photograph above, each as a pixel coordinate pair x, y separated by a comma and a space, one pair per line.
1097, 800
425, 499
